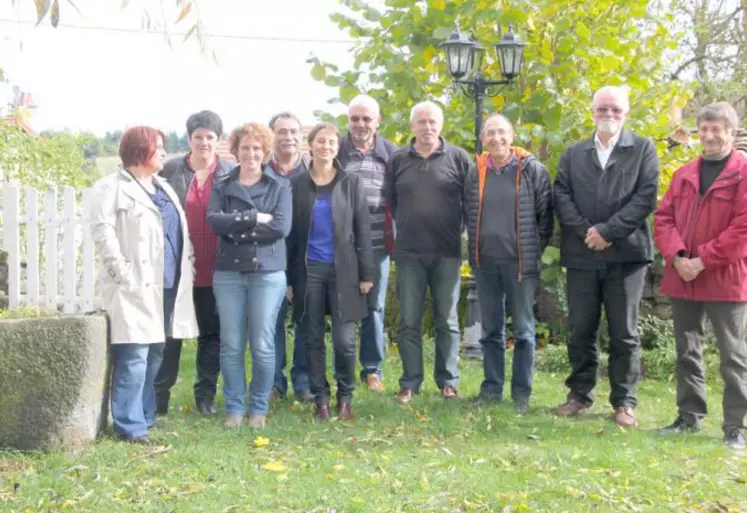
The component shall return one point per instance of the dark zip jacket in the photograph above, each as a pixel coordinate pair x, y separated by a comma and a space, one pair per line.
352, 241
534, 215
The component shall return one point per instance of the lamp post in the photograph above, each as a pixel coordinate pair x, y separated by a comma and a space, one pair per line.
464, 57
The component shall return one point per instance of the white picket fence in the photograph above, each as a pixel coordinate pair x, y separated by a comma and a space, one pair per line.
55, 244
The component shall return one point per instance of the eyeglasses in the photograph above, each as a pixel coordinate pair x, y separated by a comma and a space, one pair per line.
603, 110
366, 119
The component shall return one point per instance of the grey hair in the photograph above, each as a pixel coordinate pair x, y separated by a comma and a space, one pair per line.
366, 102
283, 115
429, 106
719, 111
619, 92
496, 115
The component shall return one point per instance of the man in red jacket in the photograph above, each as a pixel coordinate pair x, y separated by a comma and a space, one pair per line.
701, 231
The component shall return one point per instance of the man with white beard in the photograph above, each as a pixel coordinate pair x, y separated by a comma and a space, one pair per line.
604, 190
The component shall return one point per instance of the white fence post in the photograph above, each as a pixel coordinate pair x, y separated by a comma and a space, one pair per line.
12, 241
50, 248
32, 246
69, 253
89, 263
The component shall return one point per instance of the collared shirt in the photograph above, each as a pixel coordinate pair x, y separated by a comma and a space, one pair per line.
300, 167
602, 152
204, 240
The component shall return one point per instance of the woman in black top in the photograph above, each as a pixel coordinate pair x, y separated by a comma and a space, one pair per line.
330, 265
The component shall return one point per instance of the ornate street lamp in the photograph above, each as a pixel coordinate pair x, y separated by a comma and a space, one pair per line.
464, 61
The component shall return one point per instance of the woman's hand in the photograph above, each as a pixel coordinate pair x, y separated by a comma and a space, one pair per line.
264, 218
365, 287
289, 293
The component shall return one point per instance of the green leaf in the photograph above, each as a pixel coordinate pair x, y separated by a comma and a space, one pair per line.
318, 72
582, 31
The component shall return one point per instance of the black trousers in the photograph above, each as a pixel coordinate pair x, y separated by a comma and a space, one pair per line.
618, 288
321, 291
208, 354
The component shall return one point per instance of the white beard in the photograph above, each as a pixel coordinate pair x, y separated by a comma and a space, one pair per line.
608, 126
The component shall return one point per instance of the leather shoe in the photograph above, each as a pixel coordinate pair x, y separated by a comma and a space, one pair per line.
374, 384
322, 411
571, 408
404, 396
449, 392
679, 426
140, 440
625, 416
206, 409
344, 411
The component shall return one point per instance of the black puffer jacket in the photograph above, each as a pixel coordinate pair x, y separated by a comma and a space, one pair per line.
534, 214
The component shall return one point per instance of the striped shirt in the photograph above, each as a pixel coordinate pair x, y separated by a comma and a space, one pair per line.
372, 172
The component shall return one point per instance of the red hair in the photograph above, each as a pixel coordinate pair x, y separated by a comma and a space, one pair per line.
138, 145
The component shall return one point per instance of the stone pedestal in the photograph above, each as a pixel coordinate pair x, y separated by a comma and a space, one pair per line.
54, 382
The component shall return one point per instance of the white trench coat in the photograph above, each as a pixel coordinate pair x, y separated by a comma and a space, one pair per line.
128, 233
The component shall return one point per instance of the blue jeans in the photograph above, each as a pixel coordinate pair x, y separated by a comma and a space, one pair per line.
135, 370
414, 275
372, 327
498, 285
248, 305
299, 368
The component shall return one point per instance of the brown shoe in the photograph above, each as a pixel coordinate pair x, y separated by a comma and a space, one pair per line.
570, 408
374, 384
322, 411
449, 392
404, 396
233, 421
625, 416
257, 421
345, 411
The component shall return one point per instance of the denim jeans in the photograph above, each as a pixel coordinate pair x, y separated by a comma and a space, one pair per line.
321, 290
248, 305
414, 276
372, 327
299, 372
497, 286
135, 369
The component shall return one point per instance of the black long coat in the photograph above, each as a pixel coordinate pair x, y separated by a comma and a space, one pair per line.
352, 238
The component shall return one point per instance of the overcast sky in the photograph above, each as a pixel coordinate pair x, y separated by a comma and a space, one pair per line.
98, 79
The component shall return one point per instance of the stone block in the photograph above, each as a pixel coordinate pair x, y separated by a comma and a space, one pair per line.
54, 382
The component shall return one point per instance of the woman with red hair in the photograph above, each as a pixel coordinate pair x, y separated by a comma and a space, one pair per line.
139, 230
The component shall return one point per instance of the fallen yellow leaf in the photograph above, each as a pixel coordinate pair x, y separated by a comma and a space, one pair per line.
274, 466
338, 467
261, 441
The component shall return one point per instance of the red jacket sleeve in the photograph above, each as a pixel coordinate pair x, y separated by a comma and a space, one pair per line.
666, 235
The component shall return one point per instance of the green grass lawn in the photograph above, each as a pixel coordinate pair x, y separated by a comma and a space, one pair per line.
430, 456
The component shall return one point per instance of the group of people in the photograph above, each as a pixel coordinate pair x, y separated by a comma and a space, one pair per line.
200, 247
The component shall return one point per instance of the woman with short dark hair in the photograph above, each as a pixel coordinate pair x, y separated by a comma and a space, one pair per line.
192, 176
138, 227
330, 262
